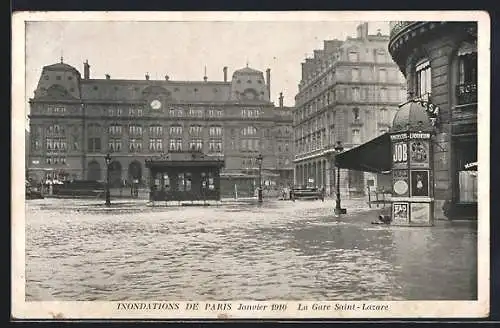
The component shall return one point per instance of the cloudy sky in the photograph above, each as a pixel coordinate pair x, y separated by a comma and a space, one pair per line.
128, 49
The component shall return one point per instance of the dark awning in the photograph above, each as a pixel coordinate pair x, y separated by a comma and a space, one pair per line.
372, 156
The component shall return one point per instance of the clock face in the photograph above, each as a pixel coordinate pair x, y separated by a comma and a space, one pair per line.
156, 104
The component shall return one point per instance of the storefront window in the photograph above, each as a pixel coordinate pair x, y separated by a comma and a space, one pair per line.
188, 181
466, 154
467, 182
181, 182
166, 182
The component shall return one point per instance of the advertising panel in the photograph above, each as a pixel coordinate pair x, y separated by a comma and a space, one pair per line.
400, 184
400, 155
400, 213
419, 183
420, 213
419, 153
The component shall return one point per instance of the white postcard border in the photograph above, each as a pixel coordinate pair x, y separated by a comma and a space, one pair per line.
107, 310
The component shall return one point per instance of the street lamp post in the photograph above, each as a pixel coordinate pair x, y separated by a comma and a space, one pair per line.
338, 209
259, 191
108, 162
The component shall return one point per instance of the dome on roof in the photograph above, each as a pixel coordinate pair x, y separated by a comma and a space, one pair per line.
247, 70
61, 67
412, 116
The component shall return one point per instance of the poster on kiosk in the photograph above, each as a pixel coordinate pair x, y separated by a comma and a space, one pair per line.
411, 178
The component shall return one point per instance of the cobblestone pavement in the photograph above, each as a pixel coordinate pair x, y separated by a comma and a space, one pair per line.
81, 250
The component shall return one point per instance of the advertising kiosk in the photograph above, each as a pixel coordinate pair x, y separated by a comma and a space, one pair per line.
412, 168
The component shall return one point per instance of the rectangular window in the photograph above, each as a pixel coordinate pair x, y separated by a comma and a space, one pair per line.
356, 137
155, 144
195, 130
382, 75
215, 146
155, 131
423, 79
135, 145
181, 182
383, 94
178, 144
166, 182
176, 130
355, 75
135, 130
172, 144
355, 94
467, 79
196, 112
353, 56
196, 145
115, 130
188, 181
215, 131
114, 145
94, 145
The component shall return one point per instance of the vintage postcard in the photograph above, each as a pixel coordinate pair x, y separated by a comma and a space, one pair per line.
250, 165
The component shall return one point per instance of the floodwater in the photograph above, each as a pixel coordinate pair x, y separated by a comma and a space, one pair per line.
77, 250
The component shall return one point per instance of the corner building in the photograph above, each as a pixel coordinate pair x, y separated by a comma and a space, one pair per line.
349, 92
75, 121
439, 61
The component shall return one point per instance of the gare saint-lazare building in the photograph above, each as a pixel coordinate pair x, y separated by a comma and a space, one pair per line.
431, 148
76, 120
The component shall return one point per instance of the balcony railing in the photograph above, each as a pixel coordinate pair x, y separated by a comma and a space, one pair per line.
466, 93
398, 26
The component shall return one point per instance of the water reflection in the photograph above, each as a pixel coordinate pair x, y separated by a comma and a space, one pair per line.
282, 250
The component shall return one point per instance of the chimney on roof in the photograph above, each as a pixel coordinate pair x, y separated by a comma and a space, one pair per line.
147, 76
362, 31
108, 77
268, 80
225, 73
167, 78
205, 78
281, 99
86, 70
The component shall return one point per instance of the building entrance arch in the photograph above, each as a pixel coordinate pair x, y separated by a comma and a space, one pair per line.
115, 174
93, 171
135, 172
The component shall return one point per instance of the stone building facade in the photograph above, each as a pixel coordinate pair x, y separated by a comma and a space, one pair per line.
439, 61
75, 121
349, 92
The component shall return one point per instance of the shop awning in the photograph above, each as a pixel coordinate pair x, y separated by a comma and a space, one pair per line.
372, 156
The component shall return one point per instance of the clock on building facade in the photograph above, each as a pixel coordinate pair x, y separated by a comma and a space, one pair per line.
155, 104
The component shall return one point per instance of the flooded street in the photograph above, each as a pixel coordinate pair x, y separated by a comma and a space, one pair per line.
79, 250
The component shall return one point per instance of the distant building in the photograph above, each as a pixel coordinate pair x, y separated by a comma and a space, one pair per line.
349, 92
75, 121
439, 61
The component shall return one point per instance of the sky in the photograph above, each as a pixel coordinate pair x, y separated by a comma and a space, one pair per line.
182, 49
